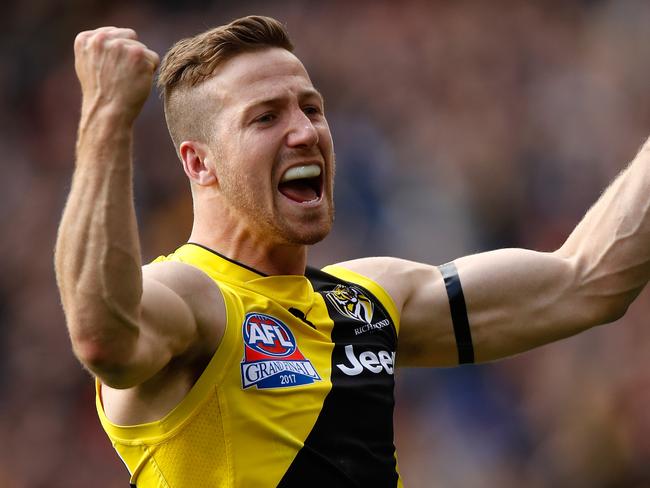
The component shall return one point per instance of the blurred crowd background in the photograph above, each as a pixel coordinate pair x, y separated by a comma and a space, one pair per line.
460, 126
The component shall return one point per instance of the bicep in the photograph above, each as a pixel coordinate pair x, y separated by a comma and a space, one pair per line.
427, 336
500, 303
519, 299
513, 300
180, 308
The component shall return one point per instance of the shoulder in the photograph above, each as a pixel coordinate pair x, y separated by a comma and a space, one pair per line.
181, 277
200, 292
397, 276
400, 279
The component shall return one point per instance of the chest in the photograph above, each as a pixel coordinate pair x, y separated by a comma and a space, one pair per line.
341, 336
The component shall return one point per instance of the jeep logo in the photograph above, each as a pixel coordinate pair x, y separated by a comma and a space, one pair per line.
374, 363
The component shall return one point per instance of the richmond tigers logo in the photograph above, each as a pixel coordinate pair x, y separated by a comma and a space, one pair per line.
351, 302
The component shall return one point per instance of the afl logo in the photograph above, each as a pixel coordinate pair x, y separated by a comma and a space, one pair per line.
268, 336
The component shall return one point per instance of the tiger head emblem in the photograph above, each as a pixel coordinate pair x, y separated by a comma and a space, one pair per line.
351, 302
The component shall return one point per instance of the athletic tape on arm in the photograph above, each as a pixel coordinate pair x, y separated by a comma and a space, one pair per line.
458, 313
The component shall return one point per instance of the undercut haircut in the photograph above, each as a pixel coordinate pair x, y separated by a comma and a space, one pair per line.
193, 60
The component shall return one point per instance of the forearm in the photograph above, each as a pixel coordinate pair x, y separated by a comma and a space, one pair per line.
97, 256
611, 245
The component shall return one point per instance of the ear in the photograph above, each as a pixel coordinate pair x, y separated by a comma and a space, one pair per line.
197, 162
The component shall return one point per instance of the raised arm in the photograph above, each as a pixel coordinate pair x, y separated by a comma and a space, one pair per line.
123, 327
512, 300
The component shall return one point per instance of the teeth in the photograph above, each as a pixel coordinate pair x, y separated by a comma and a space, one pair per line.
300, 172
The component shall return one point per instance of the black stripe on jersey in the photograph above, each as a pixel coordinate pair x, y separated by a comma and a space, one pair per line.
351, 443
458, 313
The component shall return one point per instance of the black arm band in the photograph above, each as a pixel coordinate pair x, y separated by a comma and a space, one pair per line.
458, 313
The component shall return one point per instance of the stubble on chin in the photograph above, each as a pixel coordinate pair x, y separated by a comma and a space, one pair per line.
270, 220
306, 233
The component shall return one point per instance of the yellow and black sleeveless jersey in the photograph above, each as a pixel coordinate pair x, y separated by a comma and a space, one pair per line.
299, 392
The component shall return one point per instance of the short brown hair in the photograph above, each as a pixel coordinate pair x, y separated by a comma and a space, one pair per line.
193, 60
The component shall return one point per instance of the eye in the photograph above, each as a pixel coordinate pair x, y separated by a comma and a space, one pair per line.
265, 118
311, 110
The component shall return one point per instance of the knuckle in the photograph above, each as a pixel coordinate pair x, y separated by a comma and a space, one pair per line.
134, 51
97, 39
107, 28
137, 56
81, 37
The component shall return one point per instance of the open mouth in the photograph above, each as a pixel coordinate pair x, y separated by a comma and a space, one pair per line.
302, 183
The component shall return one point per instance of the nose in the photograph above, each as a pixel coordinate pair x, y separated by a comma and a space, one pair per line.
302, 132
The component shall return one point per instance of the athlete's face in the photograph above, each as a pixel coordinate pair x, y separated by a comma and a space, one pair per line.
272, 147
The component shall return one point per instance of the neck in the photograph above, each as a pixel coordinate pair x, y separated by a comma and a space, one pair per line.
247, 248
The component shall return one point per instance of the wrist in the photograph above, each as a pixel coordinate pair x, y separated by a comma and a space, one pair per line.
104, 122
96, 110
105, 134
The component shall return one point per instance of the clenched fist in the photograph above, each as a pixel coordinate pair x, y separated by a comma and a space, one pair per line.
115, 71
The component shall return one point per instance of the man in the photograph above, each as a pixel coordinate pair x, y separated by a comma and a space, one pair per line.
230, 362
